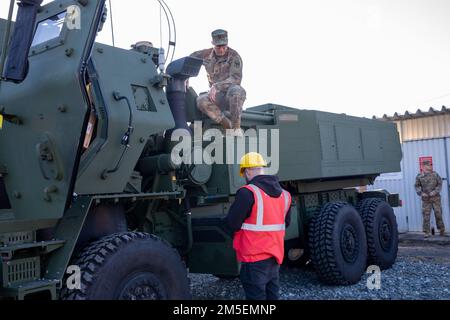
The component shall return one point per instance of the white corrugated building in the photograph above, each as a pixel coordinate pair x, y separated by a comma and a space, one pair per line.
423, 134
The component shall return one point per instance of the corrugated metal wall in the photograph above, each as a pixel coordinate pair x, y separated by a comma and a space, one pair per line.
410, 216
394, 184
424, 128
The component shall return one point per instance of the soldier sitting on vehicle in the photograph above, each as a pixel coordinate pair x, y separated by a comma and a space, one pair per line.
224, 68
428, 186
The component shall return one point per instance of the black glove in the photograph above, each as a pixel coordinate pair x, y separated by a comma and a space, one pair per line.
226, 227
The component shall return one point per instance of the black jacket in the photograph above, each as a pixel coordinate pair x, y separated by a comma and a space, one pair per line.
241, 209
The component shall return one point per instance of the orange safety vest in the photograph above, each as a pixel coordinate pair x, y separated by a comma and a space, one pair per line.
262, 235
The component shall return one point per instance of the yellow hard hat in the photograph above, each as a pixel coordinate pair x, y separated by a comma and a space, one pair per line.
252, 160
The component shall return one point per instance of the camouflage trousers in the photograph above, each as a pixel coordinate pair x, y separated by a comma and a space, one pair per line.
435, 205
231, 101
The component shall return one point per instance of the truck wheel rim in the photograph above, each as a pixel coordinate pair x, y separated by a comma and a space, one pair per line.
385, 234
143, 286
349, 244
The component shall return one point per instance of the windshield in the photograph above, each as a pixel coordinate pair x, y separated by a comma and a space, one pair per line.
49, 29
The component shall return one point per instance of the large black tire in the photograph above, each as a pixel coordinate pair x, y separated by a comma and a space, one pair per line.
130, 266
381, 230
338, 244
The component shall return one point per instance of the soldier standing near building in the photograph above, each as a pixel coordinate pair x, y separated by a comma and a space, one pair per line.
224, 68
428, 186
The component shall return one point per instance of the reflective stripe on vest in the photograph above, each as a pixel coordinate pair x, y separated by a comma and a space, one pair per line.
259, 226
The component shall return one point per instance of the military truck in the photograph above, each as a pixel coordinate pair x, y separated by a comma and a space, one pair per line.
92, 205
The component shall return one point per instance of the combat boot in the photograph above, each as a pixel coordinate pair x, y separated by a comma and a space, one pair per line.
426, 235
235, 133
236, 124
226, 123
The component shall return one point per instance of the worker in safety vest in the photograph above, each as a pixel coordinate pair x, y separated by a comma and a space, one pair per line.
259, 216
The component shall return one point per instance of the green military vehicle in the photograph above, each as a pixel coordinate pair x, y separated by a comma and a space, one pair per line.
92, 204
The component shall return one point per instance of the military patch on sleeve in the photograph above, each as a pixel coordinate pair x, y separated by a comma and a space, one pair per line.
237, 63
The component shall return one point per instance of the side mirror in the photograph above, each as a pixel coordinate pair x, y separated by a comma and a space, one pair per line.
17, 63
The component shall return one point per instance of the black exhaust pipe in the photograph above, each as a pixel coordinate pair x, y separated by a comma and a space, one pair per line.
176, 94
180, 71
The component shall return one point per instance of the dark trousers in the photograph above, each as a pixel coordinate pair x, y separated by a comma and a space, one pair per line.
261, 280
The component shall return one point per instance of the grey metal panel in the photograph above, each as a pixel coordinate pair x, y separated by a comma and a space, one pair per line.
394, 184
328, 141
325, 145
412, 151
404, 183
349, 143
425, 128
371, 144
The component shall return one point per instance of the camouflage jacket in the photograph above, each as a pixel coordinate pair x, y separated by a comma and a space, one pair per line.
222, 71
428, 183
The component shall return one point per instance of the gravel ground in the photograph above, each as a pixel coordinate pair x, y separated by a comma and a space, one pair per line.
422, 272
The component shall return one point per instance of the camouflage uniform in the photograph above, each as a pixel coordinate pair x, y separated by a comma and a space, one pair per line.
225, 74
429, 186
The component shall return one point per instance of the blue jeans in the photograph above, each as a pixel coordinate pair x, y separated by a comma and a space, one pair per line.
261, 280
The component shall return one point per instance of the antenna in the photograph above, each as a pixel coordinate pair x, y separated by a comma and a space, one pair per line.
164, 56
112, 25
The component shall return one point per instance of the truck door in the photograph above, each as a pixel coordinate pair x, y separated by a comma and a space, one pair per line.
45, 114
